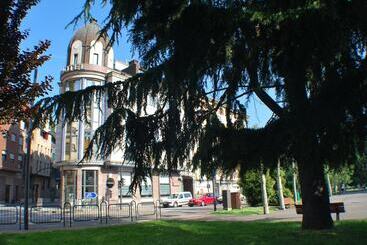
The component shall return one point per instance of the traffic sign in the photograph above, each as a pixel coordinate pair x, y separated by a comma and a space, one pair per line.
90, 195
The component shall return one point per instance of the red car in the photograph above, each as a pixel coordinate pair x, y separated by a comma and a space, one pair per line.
203, 200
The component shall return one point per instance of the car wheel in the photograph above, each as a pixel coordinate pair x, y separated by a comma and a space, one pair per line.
175, 205
202, 203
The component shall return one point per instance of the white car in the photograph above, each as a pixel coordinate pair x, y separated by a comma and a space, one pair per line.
175, 200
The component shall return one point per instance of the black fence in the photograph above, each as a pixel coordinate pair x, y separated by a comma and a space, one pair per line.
67, 214
46, 214
9, 215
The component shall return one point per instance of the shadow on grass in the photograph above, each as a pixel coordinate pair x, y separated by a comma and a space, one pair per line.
198, 232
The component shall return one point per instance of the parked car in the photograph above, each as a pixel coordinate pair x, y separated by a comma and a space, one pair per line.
203, 200
176, 200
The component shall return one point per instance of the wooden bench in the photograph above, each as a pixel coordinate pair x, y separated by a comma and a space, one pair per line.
336, 207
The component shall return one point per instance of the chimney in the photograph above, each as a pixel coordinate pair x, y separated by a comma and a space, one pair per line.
133, 68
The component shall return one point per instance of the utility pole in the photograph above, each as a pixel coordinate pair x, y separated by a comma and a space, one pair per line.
27, 164
214, 195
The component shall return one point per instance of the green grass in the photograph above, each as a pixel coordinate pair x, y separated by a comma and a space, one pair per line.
244, 211
196, 232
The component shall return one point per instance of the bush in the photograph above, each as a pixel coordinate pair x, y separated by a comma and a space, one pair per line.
251, 186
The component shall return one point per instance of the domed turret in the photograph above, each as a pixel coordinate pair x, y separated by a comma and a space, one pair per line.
87, 47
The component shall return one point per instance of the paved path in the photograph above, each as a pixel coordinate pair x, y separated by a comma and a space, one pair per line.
355, 205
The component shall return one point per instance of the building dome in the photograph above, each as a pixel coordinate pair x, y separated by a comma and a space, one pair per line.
87, 47
88, 33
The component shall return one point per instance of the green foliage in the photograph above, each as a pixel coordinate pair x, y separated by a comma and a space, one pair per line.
17, 92
341, 176
251, 186
360, 171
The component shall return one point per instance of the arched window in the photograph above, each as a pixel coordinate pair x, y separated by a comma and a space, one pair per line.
76, 53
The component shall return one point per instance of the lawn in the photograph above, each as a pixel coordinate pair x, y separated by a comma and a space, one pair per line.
198, 232
244, 211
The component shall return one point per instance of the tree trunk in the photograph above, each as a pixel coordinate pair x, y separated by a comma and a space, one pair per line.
280, 188
329, 185
264, 193
315, 198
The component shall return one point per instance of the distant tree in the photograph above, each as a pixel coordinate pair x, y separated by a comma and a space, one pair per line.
360, 171
201, 56
16, 88
341, 176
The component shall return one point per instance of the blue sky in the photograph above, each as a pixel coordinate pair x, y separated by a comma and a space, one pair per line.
48, 20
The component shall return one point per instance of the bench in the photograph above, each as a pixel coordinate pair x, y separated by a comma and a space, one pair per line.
336, 207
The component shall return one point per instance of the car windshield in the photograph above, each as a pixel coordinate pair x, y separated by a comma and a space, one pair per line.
173, 196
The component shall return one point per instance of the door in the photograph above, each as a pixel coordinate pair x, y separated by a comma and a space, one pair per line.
188, 184
7, 193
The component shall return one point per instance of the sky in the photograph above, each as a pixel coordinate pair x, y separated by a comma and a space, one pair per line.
49, 19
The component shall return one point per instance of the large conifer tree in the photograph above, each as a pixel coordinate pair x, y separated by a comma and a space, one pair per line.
311, 53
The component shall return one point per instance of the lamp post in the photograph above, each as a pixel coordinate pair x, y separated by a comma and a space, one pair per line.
214, 195
27, 163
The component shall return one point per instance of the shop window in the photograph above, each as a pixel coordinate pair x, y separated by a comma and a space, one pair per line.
89, 182
164, 186
70, 185
124, 184
146, 188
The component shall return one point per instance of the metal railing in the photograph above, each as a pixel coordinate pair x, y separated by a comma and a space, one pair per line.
9, 214
86, 212
68, 213
146, 209
119, 211
46, 214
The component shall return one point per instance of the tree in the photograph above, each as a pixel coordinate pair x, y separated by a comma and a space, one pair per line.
17, 92
341, 176
251, 184
201, 56
360, 171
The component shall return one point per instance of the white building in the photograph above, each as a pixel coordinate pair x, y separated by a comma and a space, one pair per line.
90, 61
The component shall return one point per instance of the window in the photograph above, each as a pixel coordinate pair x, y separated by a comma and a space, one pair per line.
20, 158
3, 155
75, 59
146, 188
95, 58
164, 186
89, 181
187, 195
13, 137
11, 156
70, 185
124, 184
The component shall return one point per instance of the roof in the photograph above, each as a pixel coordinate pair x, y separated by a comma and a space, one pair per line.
88, 33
